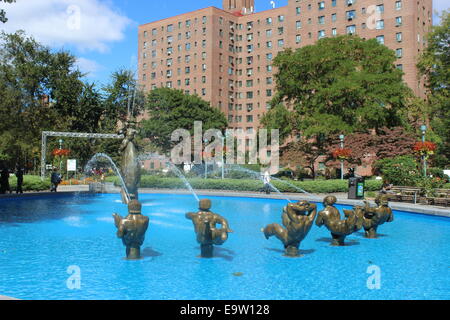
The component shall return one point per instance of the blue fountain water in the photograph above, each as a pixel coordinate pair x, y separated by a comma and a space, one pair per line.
42, 237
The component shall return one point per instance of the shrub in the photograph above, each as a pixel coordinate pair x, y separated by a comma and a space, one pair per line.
324, 186
31, 183
428, 186
400, 171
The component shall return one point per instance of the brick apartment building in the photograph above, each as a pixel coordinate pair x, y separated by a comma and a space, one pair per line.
225, 55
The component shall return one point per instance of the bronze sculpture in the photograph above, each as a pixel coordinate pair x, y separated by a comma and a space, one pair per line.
372, 218
331, 218
131, 229
129, 165
297, 219
205, 224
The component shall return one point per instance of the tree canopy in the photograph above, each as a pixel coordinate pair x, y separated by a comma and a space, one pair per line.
170, 109
339, 85
43, 90
435, 65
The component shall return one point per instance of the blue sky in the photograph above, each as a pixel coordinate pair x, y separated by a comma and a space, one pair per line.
103, 33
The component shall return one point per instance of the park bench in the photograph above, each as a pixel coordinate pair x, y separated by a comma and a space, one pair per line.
404, 194
441, 197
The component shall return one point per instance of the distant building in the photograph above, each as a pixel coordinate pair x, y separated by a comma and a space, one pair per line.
225, 55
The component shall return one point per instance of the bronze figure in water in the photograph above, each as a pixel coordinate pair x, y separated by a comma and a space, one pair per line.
372, 217
331, 218
208, 233
131, 229
297, 219
129, 164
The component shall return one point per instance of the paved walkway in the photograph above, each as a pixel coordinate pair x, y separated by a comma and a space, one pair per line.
342, 197
3, 298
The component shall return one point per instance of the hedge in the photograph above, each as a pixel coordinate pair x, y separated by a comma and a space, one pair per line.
30, 183
322, 186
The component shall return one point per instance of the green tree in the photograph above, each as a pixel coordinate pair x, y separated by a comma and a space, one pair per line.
170, 109
3, 13
42, 90
123, 96
434, 64
38, 90
340, 85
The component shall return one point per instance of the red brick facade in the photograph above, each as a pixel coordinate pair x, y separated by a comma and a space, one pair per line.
225, 56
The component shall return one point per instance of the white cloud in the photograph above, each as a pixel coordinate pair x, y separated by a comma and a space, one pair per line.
90, 25
88, 66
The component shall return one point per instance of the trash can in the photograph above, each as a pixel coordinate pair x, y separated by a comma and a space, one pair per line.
356, 188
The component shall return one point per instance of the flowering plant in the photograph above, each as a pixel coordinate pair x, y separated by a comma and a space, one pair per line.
425, 148
342, 154
61, 152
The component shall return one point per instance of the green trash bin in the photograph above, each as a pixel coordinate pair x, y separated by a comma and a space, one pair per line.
356, 188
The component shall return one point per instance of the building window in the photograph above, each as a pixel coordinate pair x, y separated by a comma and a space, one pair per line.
351, 29
298, 24
380, 24
380, 39
321, 34
281, 18
321, 5
321, 20
380, 8
298, 38
297, 10
333, 3
399, 37
399, 52
333, 17
334, 32
398, 5
281, 43
351, 14
398, 21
